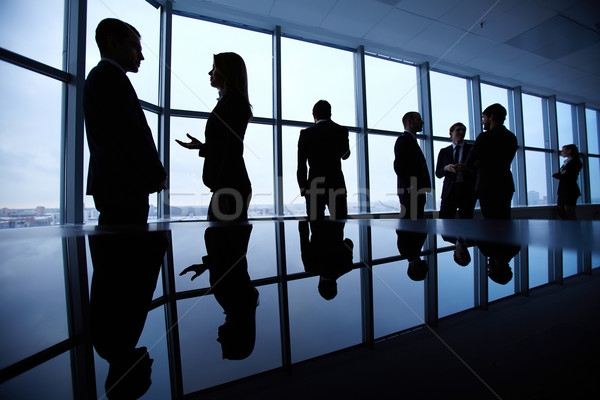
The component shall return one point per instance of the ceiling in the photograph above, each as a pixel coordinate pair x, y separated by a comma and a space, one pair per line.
545, 46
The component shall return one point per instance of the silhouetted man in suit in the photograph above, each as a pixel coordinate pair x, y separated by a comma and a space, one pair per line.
490, 158
410, 166
458, 190
323, 146
124, 165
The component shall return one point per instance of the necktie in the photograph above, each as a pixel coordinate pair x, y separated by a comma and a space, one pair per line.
456, 154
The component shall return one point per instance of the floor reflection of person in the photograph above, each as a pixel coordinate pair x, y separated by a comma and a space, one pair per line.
126, 269
325, 252
498, 258
226, 261
409, 246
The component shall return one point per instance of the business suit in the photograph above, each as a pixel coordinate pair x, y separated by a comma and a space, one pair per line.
224, 170
568, 189
413, 175
456, 194
323, 146
124, 164
490, 158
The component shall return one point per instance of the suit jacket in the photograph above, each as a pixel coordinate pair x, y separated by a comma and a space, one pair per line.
410, 162
491, 157
567, 182
123, 156
224, 165
445, 157
323, 146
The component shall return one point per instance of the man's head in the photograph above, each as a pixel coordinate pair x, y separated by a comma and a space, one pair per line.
457, 132
412, 122
493, 116
120, 42
322, 110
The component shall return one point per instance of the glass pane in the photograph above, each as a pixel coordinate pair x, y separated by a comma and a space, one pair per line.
29, 147
494, 94
311, 73
32, 291
319, 326
188, 197
538, 266
594, 163
533, 121
569, 262
258, 155
456, 289
194, 44
53, 376
537, 192
449, 103
146, 20
391, 92
293, 203
34, 29
398, 302
591, 119
564, 118
383, 180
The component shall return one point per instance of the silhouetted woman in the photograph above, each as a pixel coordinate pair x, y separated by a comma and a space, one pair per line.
568, 189
224, 171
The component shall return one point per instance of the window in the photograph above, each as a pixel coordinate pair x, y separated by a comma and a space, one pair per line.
391, 91
191, 62
449, 103
311, 73
533, 122
593, 130
537, 192
144, 18
34, 29
29, 147
564, 117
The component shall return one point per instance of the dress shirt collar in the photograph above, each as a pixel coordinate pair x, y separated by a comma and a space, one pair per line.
414, 136
222, 93
113, 62
320, 120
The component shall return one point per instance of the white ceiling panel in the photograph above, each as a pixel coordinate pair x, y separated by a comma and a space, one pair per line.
254, 6
355, 17
433, 9
536, 43
436, 40
469, 13
468, 47
519, 19
397, 27
308, 12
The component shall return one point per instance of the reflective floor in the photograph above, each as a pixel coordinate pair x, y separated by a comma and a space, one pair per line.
183, 307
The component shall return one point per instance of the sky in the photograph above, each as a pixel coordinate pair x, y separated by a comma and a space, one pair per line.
30, 116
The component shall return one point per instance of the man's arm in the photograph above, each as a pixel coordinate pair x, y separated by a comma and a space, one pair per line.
440, 170
345, 146
301, 173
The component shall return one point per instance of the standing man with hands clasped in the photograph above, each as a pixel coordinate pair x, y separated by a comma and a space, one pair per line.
323, 146
409, 164
124, 164
458, 191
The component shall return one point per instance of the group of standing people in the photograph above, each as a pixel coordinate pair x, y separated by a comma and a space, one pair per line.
125, 167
